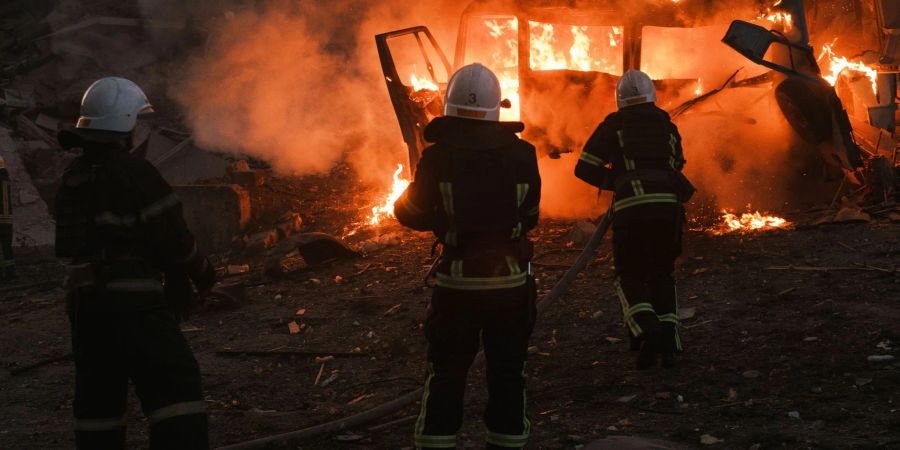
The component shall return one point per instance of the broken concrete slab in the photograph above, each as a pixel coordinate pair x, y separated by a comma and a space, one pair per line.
32, 225
180, 162
633, 443
215, 213
581, 233
851, 215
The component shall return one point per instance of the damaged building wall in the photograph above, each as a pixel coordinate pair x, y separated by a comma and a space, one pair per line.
32, 225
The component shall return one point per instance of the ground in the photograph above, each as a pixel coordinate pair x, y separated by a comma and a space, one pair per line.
777, 353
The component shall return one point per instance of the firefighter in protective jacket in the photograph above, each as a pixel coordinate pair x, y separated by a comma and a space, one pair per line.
7, 263
478, 189
636, 152
119, 228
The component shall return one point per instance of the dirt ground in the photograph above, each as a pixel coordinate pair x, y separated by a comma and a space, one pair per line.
775, 357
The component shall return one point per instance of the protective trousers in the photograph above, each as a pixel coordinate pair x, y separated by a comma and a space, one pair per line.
645, 249
121, 336
7, 263
504, 319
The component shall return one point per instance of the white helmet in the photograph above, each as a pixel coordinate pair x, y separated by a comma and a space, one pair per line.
473, 93
634, 88
112, 104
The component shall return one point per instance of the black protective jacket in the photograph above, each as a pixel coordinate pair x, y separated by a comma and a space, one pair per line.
478, 190
121, 226
636, 152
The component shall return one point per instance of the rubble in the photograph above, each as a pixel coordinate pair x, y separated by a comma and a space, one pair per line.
32, 224
216, 213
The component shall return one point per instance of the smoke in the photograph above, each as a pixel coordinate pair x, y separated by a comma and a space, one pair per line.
299, 84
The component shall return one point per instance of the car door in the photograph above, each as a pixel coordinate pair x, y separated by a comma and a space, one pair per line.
808, 102
416, 73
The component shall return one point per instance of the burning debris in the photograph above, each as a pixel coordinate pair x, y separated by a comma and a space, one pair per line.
749, 222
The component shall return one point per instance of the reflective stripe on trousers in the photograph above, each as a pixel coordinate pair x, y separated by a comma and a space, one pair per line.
101, 424
176, 410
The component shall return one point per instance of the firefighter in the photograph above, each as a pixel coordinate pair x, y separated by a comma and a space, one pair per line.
7, 263
119, 227
477, 188
636, 152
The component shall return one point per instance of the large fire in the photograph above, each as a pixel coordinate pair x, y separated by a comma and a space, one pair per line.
386, 209
422, 84
839, 64
748, 222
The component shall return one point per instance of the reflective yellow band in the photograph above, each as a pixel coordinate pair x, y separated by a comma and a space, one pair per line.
426, 441
621, 134
159, 207
673, 142
105, 424
451, 238
629, 163
477, 284
626, 317
447, 196
4, 263
534, 211
423, 410
135, 285
513, 265
641, 307
521, 193
177, 409
644, 199
637, 187
7, 220
507, 440
591, 159
671, 318
456, 268
517, 231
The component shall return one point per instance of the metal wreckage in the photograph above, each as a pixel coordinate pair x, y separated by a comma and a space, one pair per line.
662, 38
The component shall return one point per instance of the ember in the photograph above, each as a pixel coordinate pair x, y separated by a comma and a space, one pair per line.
747, 222
386, 209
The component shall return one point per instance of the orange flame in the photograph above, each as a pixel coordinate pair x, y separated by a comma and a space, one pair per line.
748, 222
839, 64
380, 213
422, 84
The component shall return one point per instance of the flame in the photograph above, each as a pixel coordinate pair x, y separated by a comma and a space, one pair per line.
504, 61
422, 84
747, 222
699, 90
379, 213
839, 64
778, 17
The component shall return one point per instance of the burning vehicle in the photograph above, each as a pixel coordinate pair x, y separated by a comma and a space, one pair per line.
726, 82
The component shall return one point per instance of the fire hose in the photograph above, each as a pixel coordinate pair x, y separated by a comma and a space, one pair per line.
559, 289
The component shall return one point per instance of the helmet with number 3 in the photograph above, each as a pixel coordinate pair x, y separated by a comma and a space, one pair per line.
473, 93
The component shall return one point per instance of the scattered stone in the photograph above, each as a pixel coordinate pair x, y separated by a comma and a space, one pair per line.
581, 233
293, 327
751, 374
237, 269
810, 339
613, 340
626, 398
851, 215
289, 224
863, 381
687, 313
732, 395
794, 415
880, 358
707, 439
816, 389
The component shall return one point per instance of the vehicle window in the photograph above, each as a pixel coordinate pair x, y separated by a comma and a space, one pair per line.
574, 47
413, 54
494, 42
